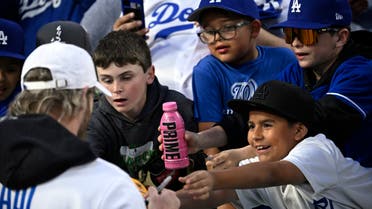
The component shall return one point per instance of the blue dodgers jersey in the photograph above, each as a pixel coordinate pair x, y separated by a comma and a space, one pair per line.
215, 83
351, 83
35, 13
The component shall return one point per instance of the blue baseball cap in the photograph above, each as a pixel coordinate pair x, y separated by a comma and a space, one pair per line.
317, 14
11, 40
241, 7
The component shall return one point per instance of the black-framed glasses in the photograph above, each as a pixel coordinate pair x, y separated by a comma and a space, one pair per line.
306, 36
227, 32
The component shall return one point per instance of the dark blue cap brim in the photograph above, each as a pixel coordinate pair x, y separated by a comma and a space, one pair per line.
12, 55
299, 24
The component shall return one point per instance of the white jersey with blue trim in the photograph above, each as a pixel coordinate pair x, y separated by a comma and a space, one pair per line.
174, 44
95, 185
335, 182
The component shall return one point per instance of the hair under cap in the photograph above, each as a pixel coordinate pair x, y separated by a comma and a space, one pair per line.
71, 68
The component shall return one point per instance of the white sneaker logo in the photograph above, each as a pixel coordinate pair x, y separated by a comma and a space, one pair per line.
3, 38
296, 7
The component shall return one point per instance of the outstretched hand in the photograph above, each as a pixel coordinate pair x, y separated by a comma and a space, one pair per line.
198, 184
229, 158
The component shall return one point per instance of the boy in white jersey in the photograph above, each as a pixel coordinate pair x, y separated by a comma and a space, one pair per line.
295, 166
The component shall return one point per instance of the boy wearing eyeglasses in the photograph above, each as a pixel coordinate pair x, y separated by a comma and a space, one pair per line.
236, 65
336, 68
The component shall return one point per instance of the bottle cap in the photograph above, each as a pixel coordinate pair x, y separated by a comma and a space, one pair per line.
169, 106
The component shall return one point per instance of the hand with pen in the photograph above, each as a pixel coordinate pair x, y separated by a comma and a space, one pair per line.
165, 199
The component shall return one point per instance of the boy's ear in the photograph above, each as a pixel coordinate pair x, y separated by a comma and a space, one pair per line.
343, 36
150, 75
255, 28
301, 131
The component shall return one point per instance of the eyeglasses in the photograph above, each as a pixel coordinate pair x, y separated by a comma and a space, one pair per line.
306, 36
227, 32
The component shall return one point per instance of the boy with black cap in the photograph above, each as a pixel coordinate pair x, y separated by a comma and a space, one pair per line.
11, 61
295, 166
236, 65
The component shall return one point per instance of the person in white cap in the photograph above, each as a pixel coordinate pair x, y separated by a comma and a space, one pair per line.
44, 164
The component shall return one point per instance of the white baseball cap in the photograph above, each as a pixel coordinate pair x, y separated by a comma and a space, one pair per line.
71, 67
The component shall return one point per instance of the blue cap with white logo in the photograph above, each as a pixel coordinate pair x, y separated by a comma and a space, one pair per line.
241, 7
11, 40
317, 14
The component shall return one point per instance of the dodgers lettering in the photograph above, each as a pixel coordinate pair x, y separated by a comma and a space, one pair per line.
169, 12
16, 199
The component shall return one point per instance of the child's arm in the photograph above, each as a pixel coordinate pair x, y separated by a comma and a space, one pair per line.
266, 38
230, 158
254, 175
216, 199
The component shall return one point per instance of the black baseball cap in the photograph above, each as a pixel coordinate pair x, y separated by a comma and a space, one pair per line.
64, 31
279, 98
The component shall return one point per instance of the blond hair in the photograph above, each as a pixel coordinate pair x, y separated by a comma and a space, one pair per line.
57, 102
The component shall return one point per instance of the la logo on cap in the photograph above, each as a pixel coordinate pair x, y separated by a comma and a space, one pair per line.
215, 1
296, 7
3, 38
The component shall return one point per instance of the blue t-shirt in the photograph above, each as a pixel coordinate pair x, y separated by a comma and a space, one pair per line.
351, 83
215, 83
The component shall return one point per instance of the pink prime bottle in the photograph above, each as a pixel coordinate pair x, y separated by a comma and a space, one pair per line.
172, 129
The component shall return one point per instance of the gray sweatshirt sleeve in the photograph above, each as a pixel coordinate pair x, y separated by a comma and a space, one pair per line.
100, 18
